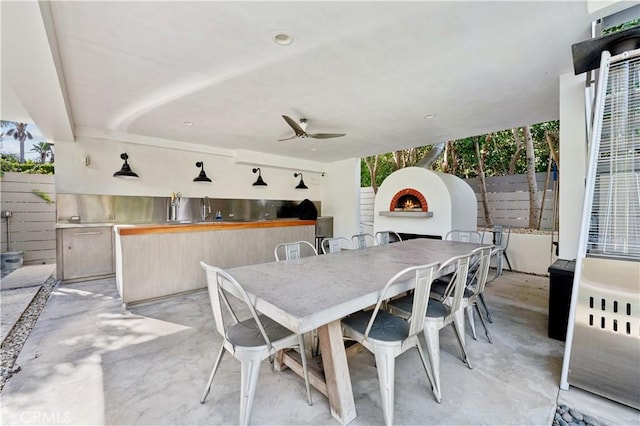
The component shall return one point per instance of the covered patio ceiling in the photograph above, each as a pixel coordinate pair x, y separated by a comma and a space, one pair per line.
390, 75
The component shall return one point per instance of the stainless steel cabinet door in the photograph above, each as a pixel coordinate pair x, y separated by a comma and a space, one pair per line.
87, 252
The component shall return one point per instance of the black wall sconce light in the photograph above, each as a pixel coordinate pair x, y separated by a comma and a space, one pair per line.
301, 185
125, 172
202, 177
259, 181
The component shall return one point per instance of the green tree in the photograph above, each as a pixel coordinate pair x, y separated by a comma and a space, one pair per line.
19, 132
43, 149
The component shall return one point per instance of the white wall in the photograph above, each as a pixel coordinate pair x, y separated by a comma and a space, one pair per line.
340, 195
163, 171
572, 168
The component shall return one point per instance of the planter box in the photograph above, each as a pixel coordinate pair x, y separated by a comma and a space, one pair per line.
529, 253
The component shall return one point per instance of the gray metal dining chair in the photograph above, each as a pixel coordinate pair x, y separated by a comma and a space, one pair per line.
363, 240
476, 282
500, 235
294, 250
463, 236
250, 341
386, 237
441, 313
335, 245
389, 336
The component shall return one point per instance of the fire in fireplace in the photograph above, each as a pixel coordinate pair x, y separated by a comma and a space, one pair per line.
409, 199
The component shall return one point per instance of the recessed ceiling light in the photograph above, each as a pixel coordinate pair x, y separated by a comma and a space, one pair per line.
188, 123
283, 39
429, 116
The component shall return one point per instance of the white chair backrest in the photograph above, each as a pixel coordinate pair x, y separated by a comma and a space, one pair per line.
479, 270
423, 276
335, 245
455, 289
501, 234
386, 237
463, 236
498, 235
217, 294
294, 250
365, 240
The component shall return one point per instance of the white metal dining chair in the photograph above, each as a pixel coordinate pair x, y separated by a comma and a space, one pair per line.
476, 281
500, 235
389, 336
463, 236
363, 240
335, 245
294, 250
250, 341
386, 237
441, 313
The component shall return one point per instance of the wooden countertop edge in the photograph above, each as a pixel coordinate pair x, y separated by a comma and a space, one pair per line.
213, 226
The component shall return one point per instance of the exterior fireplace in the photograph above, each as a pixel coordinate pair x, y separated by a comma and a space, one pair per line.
421, 202
408, 199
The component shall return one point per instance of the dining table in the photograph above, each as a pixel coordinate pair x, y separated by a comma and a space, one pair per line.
316, 292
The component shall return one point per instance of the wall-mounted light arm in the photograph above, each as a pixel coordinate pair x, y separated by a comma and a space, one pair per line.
202, 177
259, 181
125, 172
301, 185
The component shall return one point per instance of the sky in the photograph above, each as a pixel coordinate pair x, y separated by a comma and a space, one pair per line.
9, 145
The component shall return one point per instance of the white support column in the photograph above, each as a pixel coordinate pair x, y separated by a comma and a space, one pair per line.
573, 159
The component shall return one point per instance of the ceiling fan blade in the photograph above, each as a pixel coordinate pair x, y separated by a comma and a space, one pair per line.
288, 139
295, 126
325, 135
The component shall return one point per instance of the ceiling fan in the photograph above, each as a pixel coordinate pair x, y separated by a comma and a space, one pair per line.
300, 130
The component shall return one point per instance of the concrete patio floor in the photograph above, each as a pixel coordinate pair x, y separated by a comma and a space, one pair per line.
89, 361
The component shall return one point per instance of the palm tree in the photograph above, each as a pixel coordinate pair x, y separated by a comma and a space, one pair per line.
19, 133
43, 149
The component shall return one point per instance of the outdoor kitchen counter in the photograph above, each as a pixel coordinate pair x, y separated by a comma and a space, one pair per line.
160, 260
164, 228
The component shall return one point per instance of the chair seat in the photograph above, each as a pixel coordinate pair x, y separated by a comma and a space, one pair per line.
439, 286
435, 309
386, 327
247, 334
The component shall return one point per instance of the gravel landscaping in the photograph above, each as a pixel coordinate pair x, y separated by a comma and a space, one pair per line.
15, 340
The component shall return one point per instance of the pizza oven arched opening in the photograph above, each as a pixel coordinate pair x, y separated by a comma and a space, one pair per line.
409, 200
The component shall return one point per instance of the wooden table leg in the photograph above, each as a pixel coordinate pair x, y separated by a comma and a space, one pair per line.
336, 371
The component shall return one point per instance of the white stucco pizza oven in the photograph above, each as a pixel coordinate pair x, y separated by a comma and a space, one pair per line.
421, 202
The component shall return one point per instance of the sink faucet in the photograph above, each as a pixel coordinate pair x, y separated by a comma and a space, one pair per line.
206, 208
174, 210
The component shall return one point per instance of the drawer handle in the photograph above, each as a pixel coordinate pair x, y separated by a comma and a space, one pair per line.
88, 233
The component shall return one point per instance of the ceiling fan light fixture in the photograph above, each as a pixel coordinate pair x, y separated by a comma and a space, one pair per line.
301, 185
202, 177
283, 39
125, 172
259, 181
